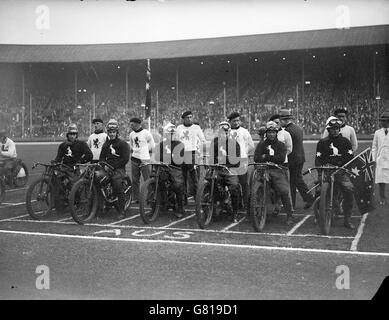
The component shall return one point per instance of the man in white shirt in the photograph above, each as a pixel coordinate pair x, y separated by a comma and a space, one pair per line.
193, 138
96, 139
141, 144
243, 137
7, 152
345, 130
380, 154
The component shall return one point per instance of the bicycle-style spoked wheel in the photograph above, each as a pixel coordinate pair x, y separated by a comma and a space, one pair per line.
149, 201
258, 207
204, 205
316, 208
39, 198
83, 201
325, 212
127, 193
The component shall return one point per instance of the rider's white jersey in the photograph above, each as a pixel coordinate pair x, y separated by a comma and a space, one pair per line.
8, 149
95, 143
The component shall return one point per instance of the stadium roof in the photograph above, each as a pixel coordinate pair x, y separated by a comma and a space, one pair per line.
357, 36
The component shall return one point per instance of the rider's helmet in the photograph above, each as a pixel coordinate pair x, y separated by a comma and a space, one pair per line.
169, 128
112, 125
72, 128
333, 122
224, 125
271, 126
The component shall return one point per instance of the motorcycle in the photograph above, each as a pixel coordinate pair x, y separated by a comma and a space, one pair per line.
16, 177
95, 185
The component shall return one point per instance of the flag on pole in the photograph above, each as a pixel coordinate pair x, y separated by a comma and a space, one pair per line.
148, 91
363, 181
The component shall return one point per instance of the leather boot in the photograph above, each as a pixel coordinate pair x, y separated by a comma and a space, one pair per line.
347, 224
121, 202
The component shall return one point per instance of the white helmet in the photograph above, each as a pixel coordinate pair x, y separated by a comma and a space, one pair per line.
333, 122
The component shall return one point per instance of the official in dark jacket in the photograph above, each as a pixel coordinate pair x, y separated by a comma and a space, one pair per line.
273, 150
116, 152
296, 160
337, 151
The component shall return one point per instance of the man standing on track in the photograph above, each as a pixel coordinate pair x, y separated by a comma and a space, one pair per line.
380, 153
193, 138
243, 137
141, 144
97, 139
296, 160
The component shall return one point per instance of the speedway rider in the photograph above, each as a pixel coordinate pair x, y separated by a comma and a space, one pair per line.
273, 150
71, 152
337, 150
116, 152
225, 150
171, 151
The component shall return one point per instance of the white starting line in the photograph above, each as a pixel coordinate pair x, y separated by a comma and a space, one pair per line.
17, 189
65, 222
354, 244
224, 245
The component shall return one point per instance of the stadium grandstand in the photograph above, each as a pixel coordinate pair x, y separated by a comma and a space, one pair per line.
44, 87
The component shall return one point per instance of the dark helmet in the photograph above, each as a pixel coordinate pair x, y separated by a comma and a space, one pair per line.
261, 130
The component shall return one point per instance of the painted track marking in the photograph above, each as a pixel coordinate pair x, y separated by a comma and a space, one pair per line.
354, 244
13, 218
233, 225
11, 190
126, 219
238, 246
297, 225
178, 221
182, 229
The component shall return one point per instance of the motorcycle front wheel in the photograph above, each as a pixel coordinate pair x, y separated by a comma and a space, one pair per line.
83, 201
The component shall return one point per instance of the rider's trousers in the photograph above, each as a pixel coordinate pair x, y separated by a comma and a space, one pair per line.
279, 182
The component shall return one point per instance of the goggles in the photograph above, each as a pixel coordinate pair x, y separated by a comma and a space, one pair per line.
225, 127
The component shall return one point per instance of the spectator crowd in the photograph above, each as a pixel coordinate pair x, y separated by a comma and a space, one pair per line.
210, 91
